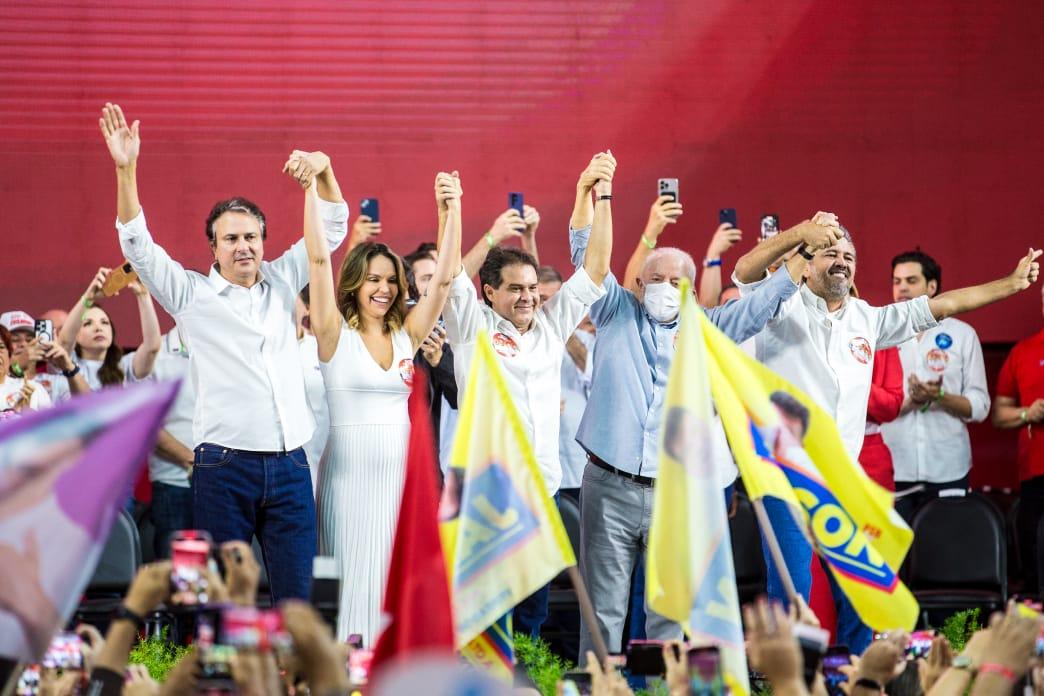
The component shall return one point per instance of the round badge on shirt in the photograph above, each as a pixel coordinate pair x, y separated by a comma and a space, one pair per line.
505, 345
860, 349
406, 371
937, 360
944, 340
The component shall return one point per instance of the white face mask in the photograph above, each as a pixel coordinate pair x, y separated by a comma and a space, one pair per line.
662, 301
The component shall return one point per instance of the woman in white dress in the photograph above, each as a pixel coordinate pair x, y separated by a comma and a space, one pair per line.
366, 346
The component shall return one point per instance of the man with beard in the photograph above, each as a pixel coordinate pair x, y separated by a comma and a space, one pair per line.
823, 341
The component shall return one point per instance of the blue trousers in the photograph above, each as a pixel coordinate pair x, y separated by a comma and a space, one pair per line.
797, 553
238, 494
171, 511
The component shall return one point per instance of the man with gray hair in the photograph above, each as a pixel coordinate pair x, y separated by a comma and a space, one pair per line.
621, 424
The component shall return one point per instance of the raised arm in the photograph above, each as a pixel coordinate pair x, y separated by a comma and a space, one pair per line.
124, 145
306, 166
664, 211
324, 316
71, 327
966, 299
508, 225
532, 220
600, 246
818, 233
710, 278
151, 338
421, 320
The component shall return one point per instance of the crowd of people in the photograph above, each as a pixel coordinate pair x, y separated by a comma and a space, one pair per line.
291, 424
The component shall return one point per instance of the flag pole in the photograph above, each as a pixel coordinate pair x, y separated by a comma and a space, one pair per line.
588, 613
775, 551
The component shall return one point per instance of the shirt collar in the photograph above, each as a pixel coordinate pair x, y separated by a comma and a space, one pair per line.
813, 300
220, 283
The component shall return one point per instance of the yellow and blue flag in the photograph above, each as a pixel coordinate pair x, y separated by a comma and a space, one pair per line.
689, 571
501, 531
787, 447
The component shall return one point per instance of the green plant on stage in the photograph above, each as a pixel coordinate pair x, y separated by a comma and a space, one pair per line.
158, 655
544, 668
960, 627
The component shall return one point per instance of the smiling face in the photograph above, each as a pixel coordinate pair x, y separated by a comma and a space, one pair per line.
238, 247
95, 334
517, 297
831, 271
423, 272
379, 289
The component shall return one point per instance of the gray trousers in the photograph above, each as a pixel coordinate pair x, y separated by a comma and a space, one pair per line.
615, 513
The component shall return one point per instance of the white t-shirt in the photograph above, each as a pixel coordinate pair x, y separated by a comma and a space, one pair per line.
172, 363
11, 394
90, 368
56, 386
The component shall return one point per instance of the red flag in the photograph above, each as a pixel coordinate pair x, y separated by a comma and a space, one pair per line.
417, 597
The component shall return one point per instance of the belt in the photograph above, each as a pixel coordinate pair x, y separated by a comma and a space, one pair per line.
646, 481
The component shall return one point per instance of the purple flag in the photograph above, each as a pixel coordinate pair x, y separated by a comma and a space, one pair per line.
64, 475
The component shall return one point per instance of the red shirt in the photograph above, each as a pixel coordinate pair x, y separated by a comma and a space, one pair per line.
886, 400
1022, 379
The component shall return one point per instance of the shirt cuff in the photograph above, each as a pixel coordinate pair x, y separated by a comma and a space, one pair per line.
583, 288
746, 288
134, 227
921, 314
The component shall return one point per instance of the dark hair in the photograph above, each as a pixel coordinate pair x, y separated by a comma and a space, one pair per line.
234, 205
423, 249
791, 407
352, 277
929, 267
110, 373
490, 273
548, 274
306, 296
5, 337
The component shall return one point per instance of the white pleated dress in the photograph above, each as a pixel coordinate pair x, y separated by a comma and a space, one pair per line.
361, 473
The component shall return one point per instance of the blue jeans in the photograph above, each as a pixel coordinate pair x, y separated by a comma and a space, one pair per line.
797, 553
238, 494
171, 511
851, 631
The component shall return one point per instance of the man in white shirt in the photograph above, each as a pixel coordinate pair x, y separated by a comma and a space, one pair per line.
250, 474
171, 461
823, 341
945, 389
529, 339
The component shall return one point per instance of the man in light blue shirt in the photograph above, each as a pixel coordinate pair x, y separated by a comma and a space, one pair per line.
620, 426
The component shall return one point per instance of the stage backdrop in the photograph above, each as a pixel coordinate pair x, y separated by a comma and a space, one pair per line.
918, 123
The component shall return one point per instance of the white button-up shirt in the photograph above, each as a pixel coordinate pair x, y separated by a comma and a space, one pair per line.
933, 446
830, 355
531, 361
245, 362
173, 363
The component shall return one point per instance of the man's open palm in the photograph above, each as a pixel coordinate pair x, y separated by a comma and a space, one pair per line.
124, 141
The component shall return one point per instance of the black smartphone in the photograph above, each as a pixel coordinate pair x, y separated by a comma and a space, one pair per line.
370, 208
836, 657
813, 643
517, 201
705, 678
769, 225
667, 187
727, 216
645, 657
582, 681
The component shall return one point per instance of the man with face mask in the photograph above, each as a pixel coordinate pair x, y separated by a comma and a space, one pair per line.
620, 429
250, 474
823, 341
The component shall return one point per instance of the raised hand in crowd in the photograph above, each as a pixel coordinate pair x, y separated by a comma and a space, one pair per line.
940, 659
606, 680
93, 642
54, 684
242, 572
364, 230
508, 225
431, 347
882, 662
663, 212
184, 677
255, 674
319, 658
772, 648
139, 682
91, 296
677, 674
1007, 652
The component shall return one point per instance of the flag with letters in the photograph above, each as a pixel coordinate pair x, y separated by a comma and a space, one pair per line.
690, 576
786, 446
501, 531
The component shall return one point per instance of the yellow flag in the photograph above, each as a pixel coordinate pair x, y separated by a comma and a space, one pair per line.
689, 571
501, 531
787, 447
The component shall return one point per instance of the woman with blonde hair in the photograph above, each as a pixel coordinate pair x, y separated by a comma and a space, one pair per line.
366, 344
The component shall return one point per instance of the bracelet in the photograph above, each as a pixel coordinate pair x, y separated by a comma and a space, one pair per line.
87, 302
940, 395
606, 197
646, 242
1024, 417
16, 370
122, 613
71, 373
489, 240
711, 263
999, 670
805, 254
865, 683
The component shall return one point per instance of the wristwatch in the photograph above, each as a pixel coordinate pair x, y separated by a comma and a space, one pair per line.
122, 613
963, 662
69, 374
805, 253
